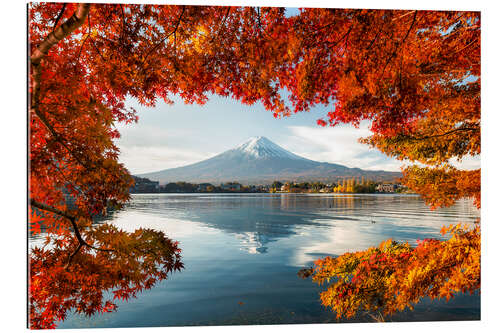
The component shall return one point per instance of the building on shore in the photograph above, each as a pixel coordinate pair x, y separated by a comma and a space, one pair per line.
231, 186
262, 188
388, 188
205, 187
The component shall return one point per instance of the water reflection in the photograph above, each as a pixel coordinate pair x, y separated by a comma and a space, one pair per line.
352, 222
79, 275
248, 249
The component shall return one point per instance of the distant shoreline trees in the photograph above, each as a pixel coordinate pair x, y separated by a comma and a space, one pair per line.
350, 185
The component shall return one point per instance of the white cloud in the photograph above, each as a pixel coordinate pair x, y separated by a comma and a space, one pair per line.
147, 148
467, 163
140, 159
147, 135
338, 145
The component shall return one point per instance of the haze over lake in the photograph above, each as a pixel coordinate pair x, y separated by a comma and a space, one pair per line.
242, 253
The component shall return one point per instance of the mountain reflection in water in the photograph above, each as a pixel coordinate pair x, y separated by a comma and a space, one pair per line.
242, 252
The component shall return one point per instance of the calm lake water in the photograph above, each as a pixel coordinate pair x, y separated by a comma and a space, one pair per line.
242, 253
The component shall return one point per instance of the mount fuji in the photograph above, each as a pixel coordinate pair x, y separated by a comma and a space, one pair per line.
259, 160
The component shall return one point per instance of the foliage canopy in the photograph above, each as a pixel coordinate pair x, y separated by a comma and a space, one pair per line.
415, 75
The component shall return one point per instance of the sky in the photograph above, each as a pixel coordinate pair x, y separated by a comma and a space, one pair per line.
169, 136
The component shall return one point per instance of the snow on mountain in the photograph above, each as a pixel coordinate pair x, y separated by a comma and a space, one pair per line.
259, 160
259, 146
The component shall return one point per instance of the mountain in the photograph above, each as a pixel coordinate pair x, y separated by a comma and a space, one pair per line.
258, 161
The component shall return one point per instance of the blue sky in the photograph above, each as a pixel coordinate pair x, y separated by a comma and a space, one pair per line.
168, 136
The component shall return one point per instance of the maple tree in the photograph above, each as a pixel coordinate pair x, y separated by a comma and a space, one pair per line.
394, 276
415, 75
132, 262
85, 61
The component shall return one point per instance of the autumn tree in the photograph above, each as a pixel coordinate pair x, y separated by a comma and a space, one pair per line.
74, 173
415, 75
394, 276
85, 61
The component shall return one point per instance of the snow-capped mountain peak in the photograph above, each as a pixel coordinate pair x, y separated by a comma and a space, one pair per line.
258, 160
259, 147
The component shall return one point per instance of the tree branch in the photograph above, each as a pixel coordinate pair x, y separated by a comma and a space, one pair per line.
70, 258
331, 45
71, 24
58, 138
164, 38
71, 218
81, 46
393, 54
222, 23
374, 39
258, 22
399, 17
59, 16
443, 134
123, 20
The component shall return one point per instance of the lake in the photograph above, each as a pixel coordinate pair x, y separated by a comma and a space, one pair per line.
242, 252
